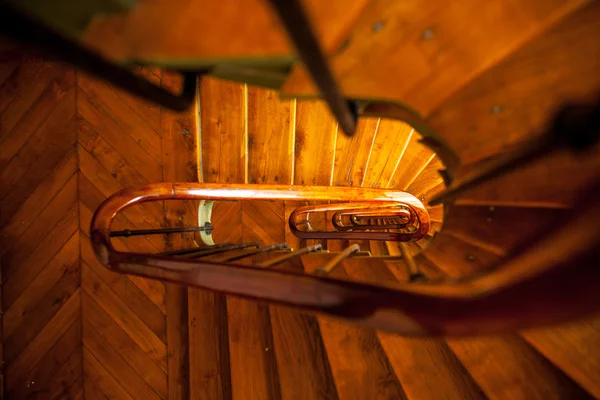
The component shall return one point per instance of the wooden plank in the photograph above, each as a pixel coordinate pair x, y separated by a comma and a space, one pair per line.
67, 381
389, 146
127, 291
15, 221
22, 274
50, 334
444, 56
31, 105
43, 372
513, 101
17, 82
91, 391
165, 29
209, 349
262, 222
458, 258
430, 356
428, 179
352, 153
41, 150
497, 226
250, 338
316, 135
121, 343
52, 215
522, 374
373, 376
93, 285
301, 356
535, 185
96, 373
106, 99
115, 364
223, 121
37, 314
270, 137
34, 176
227, 219
413, 161
574, 349
114, 135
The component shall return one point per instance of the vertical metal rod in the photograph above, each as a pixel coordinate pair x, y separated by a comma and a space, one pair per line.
301, 32
331, 265
414, 274
285, 257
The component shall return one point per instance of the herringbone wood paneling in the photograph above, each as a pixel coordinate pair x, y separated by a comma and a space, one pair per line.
71, 327
39, 242
124, 317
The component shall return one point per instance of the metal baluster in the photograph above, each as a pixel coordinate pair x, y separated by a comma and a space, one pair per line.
331, 265
285, 257
413, 271
259, 251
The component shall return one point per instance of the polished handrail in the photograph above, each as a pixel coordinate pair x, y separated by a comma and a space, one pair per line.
535, 285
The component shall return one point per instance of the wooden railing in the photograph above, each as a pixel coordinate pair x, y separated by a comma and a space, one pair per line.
533, 286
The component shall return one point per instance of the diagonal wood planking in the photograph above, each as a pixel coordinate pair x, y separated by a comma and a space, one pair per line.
39, 242
124, 318
71, 327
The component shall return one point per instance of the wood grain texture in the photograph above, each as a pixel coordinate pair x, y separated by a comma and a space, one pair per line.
370, 377
271, 129
512, 102
302, 364
431, 357
166, 29
315, 146
573, 348
223, 119
352, 154
388, 148
444, 56
39, 244
413, 161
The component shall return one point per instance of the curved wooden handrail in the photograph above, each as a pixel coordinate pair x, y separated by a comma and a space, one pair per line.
534, 286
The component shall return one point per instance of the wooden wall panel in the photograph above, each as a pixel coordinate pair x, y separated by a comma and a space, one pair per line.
271, 129
224, 131
121, 145
352, 154
314, 149
39, 243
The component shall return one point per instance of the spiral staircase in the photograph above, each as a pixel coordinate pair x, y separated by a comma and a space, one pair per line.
249, 135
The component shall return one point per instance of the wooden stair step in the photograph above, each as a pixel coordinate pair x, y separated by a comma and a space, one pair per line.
505, 366
418, 361
359, 365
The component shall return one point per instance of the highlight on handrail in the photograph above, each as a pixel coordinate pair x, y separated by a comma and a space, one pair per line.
530, 287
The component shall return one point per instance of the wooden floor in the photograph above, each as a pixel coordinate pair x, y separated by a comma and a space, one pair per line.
73, 329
